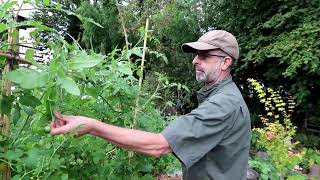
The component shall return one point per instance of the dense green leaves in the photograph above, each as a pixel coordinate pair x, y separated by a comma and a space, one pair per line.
78, 83
28, 78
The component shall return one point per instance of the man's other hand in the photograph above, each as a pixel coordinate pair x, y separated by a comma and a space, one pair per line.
63, 124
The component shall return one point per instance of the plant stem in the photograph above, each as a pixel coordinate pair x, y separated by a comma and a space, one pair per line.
152, 96
123, 25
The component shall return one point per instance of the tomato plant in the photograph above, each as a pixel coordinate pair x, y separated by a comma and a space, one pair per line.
80, 82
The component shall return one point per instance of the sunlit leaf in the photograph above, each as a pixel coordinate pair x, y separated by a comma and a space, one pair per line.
124, 68
8, 5
83, 60
70, 86
139, 72
29, 54
3, 27
46, 2
137, 51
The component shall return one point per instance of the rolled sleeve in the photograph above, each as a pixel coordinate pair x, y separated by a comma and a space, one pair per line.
195, 134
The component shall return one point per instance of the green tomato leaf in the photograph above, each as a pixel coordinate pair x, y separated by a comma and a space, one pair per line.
64, 177
159, 55
6, 104
13, 155
28, 110
84, 19
46, 2
3, 27
70, 86
29, 54
93, 22
7, 5
59, 6
16, 114
29, 100
124, 68
38, 25
83, 60
139, 72
92, 91
28, 78
16, 177
137, 51
33, 157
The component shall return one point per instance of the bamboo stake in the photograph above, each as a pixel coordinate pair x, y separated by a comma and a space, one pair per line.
134, 122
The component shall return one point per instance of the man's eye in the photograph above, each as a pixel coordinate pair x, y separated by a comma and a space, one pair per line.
202, 56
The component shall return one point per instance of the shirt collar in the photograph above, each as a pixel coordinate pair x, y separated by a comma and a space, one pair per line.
204, 93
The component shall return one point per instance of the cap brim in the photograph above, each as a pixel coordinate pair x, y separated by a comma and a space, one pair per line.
192, 47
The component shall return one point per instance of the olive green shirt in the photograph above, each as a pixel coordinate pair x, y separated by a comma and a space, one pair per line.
213, 140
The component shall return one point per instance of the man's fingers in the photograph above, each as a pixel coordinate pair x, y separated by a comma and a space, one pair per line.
62, 118
52, 125
59, 130
57, 115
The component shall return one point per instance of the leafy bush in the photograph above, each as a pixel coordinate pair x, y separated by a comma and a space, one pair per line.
277, 133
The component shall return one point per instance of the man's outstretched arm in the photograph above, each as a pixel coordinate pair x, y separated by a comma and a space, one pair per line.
135, 140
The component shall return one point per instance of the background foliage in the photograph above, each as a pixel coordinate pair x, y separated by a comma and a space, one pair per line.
278, 40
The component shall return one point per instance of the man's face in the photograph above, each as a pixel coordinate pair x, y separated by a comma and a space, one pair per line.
208, 66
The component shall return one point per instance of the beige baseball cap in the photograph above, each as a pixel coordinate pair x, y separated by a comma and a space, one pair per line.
215, 39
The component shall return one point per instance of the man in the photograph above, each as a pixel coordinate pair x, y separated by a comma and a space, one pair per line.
212, 141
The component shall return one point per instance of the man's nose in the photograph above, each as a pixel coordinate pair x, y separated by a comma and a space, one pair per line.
195, 60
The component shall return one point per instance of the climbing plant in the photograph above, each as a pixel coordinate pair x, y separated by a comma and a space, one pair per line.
80, 82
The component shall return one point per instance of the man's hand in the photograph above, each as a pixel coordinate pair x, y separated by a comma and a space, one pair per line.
65, 124
135, 140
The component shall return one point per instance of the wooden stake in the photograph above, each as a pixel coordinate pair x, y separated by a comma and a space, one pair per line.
16, 58
5, 123
6, 91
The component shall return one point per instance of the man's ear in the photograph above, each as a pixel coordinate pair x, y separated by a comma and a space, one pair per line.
227, 62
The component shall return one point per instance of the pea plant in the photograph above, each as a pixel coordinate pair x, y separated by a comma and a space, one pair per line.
78, 82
